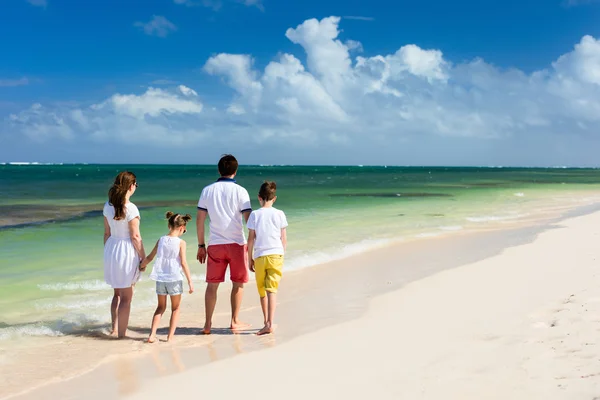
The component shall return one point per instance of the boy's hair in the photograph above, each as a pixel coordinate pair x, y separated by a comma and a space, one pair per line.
228, 165
177, 220
268, 190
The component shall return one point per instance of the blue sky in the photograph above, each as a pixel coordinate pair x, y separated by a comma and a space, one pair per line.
403, 82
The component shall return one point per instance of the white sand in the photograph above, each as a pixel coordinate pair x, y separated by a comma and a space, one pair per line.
521, 325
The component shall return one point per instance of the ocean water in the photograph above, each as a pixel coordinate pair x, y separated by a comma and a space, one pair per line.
51, 227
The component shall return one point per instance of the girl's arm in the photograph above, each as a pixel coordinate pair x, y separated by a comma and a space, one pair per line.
284, 238
184, 265
106, 230
136, 237
150, 257
251, 239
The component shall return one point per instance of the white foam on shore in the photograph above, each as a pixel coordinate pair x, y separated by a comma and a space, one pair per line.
451, 228
328, 255
91, 285
27, 330
519, 194
492, 218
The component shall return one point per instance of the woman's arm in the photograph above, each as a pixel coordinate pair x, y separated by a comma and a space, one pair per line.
184, 265
284, 238
150, 257
106, 230
136, 237
251, 239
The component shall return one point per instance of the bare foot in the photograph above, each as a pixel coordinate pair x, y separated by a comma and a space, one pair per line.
239, 326
266, 330
152, 339
169, 339
206, 329
113, 333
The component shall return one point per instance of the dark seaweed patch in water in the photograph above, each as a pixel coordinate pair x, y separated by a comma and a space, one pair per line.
434, 215
398, 195
23, 215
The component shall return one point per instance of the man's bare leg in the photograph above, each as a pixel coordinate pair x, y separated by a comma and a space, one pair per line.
237, 293
210, 301
269, 325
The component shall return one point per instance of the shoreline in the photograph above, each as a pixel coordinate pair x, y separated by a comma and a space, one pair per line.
349, 300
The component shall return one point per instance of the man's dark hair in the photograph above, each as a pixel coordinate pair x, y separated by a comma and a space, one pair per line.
228, 165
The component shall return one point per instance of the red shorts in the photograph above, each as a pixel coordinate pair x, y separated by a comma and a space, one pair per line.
222, 255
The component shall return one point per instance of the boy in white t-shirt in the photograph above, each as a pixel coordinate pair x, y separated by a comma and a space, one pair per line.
266, 246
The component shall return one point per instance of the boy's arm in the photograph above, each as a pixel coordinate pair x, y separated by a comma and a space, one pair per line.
184, 265
284, 238
200, 219
251, 239
150, 257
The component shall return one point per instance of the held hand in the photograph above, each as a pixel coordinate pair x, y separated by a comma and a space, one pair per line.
252, 265
143, 265
201, 256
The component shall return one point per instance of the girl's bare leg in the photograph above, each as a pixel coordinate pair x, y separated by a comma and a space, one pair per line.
175, 302
113, 311
160, 309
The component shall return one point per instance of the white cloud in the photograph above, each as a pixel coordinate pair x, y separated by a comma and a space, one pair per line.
157, 26
14, 82
217, 4
412, 104
38, 3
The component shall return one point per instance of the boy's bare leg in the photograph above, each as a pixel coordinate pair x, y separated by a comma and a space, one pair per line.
175, 301
113, 311
263, 305
272, 304
210, 301
237, 293
160, 309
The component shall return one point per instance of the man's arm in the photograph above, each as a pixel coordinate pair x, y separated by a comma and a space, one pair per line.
246, 215
200, 220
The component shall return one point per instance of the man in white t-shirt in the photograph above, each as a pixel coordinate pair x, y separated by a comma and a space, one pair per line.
226, 203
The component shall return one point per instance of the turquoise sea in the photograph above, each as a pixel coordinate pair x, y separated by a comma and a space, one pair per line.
51, 273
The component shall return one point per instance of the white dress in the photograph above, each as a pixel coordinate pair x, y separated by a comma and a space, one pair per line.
121, 260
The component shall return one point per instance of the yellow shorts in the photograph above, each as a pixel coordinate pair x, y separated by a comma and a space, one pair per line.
268, 273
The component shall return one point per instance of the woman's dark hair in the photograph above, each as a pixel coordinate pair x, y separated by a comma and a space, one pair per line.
228, 165
118, 191
177, 220
268, 190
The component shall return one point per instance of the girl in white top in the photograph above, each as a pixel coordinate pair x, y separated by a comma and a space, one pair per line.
167, 271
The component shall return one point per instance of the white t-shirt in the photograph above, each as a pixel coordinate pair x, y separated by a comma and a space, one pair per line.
267, 222
225, 201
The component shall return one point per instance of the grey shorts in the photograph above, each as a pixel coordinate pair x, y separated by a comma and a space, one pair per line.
169, 288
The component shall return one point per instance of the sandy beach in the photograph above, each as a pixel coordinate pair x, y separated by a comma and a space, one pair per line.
520, 325
501, 314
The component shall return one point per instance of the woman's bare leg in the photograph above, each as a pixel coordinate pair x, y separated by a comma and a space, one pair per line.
124, 310
113, 311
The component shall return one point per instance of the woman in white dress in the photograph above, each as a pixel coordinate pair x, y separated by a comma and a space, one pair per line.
123, 248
